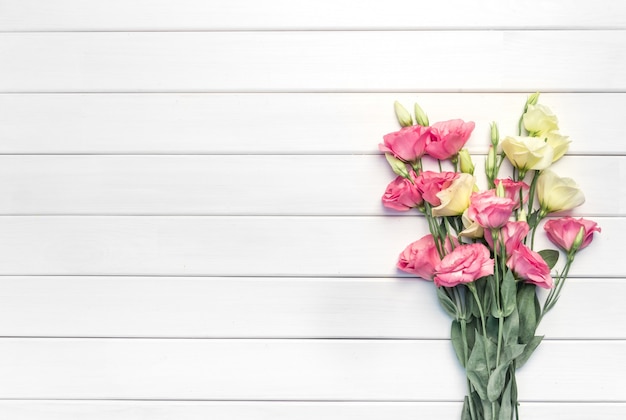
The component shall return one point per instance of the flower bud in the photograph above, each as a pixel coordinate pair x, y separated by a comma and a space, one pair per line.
397, 166
532, 99
467, 166
491, 164
578, 240
403, 116
500, 190
495, 135
420, 116
521, 216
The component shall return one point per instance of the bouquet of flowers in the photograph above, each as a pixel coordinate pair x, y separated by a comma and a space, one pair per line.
479, 252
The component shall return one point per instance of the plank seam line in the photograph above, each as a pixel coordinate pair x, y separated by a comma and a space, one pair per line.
267, 276
298, 92
301, 401
319, 91
278, 339
381, 28
355, 153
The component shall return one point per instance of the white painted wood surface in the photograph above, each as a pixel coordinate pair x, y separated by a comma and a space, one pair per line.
277, 123
239, 246
177, 15
270, 307
245, 185
312, 61
190, 224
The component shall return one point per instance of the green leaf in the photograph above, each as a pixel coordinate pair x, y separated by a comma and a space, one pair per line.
476, 367
527, 307
488, 408
487, 294
447, 303
491, 291
467, 414
491, 351
457, 341
506, 407
511, 352
476, 402
495, 385
510, 329
508, 292
492, 329
470, 332
533, 219
528, 351
550, 256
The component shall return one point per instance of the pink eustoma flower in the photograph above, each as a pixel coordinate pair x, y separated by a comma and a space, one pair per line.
420, 258
489, 210
530, 267
562, 232
465, 264
511, 235
402, 194
448, 137
431, 183
512, 190
408, 144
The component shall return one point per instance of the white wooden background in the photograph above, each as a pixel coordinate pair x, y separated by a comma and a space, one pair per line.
190, 219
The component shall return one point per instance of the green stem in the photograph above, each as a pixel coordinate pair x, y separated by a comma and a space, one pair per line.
449, 230
554, 294
496, 272
540, 216
531, 191
434, 229
500, 328
470, 387
514, 390
472, 288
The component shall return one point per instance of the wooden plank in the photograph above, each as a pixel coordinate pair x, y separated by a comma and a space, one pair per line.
196, 307
312, 61
73, 15
246, 185
201, 410
280, 123
239, 246
317, 370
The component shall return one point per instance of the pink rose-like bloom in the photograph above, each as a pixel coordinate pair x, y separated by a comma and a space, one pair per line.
431, 183
402, 194
530, 267
420, 258
489, 210
512, 190
511, 235
448, 137
464, 264
562, 232
407, 144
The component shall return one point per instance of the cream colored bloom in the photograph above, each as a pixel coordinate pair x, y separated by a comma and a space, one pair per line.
558, 194
456, 198
539, 120
559, 143
472, 229
526, 153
